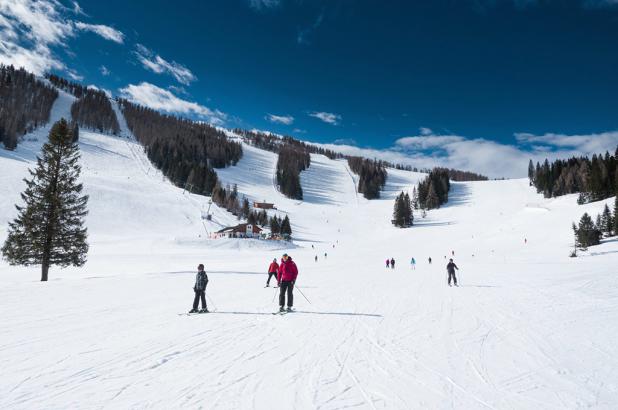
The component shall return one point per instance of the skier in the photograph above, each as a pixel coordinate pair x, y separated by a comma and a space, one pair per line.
452, 253
392, 263
272, 271
413, 264
450, 268
286, 279
316, 258
201, 280
388, 263
430, 260
325, 255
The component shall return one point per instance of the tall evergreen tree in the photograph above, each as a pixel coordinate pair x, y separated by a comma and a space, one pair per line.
607, 221
586, 234
275, 225
286, 228
49, 229
616, 214
402, 211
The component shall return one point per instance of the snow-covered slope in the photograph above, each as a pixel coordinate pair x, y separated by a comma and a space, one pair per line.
528, 327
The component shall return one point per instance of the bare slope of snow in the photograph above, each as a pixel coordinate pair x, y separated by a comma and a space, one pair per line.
528, 327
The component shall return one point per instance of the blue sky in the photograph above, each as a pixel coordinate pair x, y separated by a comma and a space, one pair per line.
475, 84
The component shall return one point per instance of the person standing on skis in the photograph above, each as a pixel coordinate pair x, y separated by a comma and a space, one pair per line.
413, 263
272, 271
392, 263
201, 280
288, 272
388, 263
450, 268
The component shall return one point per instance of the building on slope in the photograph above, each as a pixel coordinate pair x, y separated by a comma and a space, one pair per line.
264, 205
239, 231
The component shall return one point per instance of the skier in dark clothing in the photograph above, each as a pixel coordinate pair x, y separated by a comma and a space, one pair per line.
388, 263
430, 260
272, 271
201, 280
286, 279
450, 268
392, 263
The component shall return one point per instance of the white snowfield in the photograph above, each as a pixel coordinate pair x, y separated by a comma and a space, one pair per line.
528, 327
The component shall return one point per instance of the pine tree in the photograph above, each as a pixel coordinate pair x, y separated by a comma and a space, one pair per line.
49, 229
607, 222
414, 198
432, 198
531, 172
275, 225
286, 228
586, 233
398, 214
616, 214
407, 210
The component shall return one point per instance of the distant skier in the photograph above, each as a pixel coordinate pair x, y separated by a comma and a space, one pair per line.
316, 258
388, 263
450, 268
430, 260
392, 263
325, 255
452, 253
288, 272
273, 268
201, 280
413, 264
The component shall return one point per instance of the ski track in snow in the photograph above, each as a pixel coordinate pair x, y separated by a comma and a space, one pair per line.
528, 327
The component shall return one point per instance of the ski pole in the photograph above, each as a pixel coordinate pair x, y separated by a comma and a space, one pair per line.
211, 302
301, 292
274, 295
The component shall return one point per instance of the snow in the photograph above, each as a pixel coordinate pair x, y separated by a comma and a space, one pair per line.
529, 327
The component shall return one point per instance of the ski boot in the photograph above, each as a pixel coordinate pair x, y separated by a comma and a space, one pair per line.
289, 309
205, 310
281, 309
193, 311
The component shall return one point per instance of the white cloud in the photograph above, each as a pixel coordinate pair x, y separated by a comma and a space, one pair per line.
178, 90
29, 30
327, 117
157, 64
104, 71
425, 131
345, 141
280, 119
106, 32
264, 4
426, 141
74, 75
157, 98
77, 9
302, 37
589, 143
487, 157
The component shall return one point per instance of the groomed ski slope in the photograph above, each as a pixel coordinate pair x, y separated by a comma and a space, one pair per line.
528, 327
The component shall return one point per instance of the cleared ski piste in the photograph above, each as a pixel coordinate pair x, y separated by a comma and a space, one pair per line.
527, 328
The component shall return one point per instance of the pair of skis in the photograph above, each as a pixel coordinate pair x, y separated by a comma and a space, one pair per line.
283, 312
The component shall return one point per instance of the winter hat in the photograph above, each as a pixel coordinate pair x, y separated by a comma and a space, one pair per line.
200, 266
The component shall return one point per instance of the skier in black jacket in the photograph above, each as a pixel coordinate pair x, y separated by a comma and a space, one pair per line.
450, 268
201, 280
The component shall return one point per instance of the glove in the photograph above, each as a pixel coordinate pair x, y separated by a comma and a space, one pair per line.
194, 289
